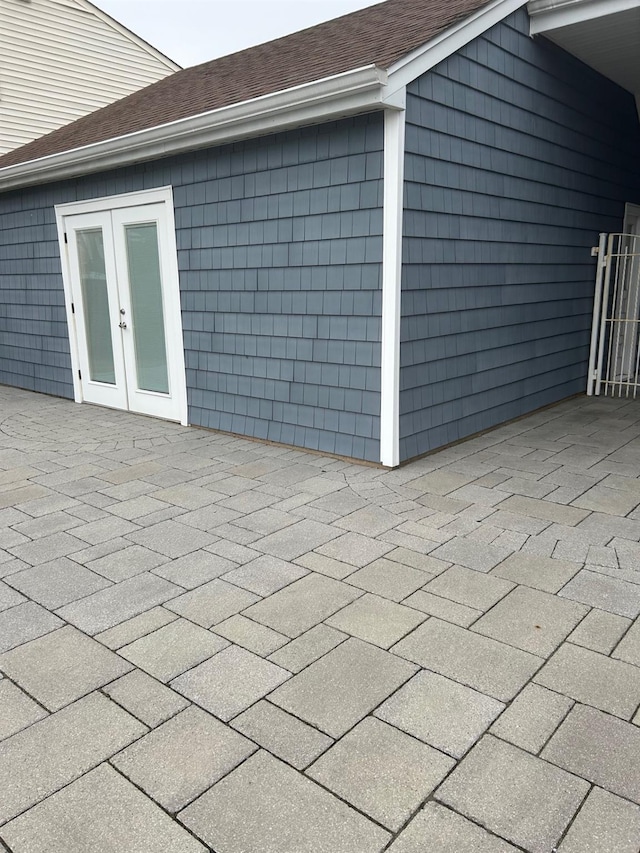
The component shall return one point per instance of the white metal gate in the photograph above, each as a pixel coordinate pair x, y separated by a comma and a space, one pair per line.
614, 361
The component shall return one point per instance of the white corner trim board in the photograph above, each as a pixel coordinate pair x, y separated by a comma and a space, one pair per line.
394, 134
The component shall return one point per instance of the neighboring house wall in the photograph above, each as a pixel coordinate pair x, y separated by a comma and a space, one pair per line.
517, 155
279, 250
62, 59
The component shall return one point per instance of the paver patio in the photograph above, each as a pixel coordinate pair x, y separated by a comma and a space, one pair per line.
209, 643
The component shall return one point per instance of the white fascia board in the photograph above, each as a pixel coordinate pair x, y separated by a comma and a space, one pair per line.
549, 15
438, 49
341, 95
393, 204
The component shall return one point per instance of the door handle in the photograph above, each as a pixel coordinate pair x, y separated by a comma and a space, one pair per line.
122, 325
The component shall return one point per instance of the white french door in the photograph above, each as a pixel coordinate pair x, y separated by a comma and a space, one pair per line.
122, 288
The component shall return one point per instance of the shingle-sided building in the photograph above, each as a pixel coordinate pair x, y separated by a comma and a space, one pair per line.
369, 238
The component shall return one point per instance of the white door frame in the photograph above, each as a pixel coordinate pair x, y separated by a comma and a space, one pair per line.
175, 344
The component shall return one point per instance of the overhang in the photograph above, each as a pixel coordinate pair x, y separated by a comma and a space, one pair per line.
604, 34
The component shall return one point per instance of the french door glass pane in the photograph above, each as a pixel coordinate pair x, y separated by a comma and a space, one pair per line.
145, 286
95, 297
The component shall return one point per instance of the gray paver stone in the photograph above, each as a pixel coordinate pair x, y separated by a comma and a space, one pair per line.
324, 565
172, 649
211, 603
605, 822
119, 602
126, 563
471, 554
58, 582
47, 548
138, 626
612, 501
514, 794
545, 510
443, 608
122, 818
370, 520
25, 622
250, 635
17, 710
536, 571
355, 549
268, 806
183, 757
106, 528
469, 588
600, 748
308, 647
440, 712
437, 828
531, 620
145, 698
599, 631
171, 538
194, 569
302, 604
343, 687
281, 734
53, 752
297, 539
479, 662
265, 575
61, 667
376, 620
628, 649
440, 482
381, 771
9, 597
389, 579
611, 594
230, 681
593, 679
532, 717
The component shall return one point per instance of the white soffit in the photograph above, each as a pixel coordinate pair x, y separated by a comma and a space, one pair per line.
604, 34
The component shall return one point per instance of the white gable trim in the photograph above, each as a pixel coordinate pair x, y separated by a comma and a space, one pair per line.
445, 44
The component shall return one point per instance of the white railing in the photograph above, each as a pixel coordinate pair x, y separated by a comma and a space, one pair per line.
614, 362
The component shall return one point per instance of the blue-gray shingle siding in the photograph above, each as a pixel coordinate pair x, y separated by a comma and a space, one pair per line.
279, 251
517, 156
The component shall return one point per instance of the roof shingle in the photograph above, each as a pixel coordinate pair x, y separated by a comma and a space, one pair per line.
377, 35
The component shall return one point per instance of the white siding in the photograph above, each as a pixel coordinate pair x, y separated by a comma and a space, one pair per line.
61, 59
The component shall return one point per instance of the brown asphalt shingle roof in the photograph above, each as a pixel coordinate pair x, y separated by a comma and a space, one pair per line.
378, 35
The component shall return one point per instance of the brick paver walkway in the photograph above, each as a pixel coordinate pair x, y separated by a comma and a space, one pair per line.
208, 643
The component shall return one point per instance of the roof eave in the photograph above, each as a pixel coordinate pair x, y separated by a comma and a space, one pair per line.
349, 93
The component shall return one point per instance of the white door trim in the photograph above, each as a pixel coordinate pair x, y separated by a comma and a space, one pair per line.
109, 202
394, 135
175, 343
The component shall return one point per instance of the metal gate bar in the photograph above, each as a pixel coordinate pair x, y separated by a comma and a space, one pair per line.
614, 362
